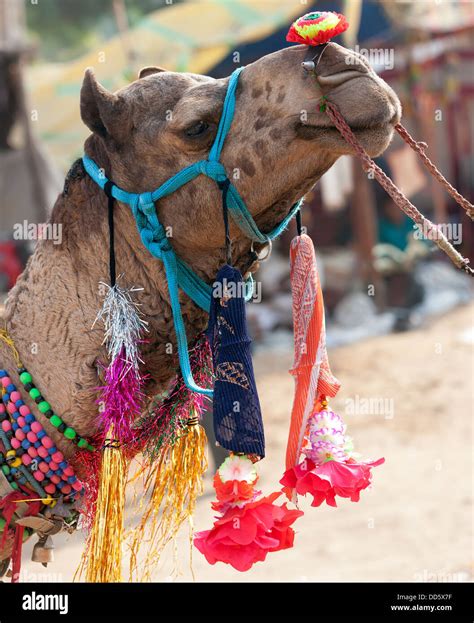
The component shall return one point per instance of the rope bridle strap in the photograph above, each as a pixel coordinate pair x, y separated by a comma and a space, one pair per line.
153, 235
435, 234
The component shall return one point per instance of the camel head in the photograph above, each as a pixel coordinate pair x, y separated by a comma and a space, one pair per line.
278, 146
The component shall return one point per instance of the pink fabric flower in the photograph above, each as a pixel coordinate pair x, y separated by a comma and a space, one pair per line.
245, 535
326, 480
322, 451
326, 425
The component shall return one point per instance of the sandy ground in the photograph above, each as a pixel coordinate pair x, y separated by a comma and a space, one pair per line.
415, 524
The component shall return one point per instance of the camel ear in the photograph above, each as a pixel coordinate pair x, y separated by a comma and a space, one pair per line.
148, 71
102, 111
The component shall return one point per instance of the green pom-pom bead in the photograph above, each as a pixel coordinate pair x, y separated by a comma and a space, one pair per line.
91, 448
14, 486
25, 377
56, 421
70, 433
82, 443
44, 406
5, 469
35, 393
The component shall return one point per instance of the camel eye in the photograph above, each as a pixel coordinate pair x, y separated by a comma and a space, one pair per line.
197, 129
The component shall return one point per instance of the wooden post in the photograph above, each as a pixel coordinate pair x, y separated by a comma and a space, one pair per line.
120, 12
364, 226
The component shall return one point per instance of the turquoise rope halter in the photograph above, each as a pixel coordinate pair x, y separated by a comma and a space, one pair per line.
153, 235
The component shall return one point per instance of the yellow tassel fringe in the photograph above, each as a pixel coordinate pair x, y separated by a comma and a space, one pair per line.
102, 558
171, 489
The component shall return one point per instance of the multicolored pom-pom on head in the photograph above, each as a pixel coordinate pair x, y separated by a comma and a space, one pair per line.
317, 27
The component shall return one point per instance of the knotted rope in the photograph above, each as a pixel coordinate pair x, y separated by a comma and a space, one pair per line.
434, 233
420, 147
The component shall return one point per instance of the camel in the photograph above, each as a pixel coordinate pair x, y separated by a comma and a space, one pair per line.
278, 146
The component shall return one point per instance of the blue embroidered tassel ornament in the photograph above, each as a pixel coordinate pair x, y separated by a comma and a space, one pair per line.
238, 424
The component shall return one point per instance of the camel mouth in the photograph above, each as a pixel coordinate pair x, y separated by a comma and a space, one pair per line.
312, 132
308, 131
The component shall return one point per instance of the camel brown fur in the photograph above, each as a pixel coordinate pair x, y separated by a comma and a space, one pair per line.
278, 146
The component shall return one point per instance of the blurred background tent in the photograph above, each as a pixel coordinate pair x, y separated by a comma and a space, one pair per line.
175, 37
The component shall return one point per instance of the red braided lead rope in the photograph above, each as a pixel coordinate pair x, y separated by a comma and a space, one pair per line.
434, 233
420, 147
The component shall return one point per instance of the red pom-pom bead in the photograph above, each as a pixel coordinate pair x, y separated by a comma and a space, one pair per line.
42, 452
44, 467
47, 442
58, 457
36, 427
317, 27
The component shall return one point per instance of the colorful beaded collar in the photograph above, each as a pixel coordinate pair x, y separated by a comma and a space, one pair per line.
30, 457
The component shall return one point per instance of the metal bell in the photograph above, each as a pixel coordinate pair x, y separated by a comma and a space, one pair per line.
43, 551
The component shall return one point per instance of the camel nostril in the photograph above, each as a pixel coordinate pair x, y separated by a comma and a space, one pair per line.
334, 80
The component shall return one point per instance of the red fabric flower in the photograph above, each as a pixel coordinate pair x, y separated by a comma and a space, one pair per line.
345, 479
243, 536
232, 491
